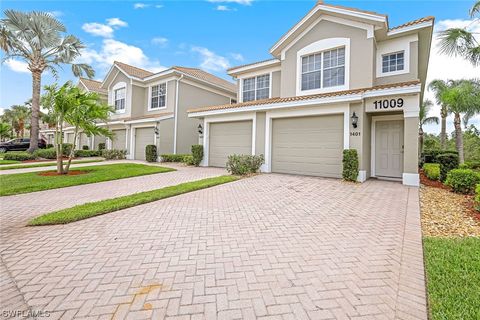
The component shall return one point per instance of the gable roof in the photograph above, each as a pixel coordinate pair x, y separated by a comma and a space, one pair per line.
413, 22
203, 75
133, 71
93, 85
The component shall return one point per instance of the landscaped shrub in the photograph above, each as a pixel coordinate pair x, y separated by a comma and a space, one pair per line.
350, 165
85, 147
19, 156
189, 160
49, 153
474, 165
49, 145
432, 170
447, 162
66, 148
241, 164
101, 146
151, 153
477, 197
197, 154
114, 154
462, 180
430, 156
173, 157
87, 153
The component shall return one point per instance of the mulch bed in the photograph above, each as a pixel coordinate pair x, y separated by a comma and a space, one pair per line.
432, 183
70, 173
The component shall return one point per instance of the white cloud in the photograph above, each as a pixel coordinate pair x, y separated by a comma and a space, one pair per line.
113, 50
242, 2
17, 66
210, 60
160, 41
116, 23
237, 56
445, 67
140, 5
224, 8
98, 29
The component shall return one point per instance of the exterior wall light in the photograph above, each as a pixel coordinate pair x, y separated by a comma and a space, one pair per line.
354, 120
157, 132
200, 129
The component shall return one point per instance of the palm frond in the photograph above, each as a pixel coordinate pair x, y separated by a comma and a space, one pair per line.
455, 41
431, 120
81, 69
475, 10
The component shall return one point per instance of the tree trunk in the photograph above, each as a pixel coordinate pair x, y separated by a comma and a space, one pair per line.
59, 146
443, 131
36, 86
457, 122
72, 152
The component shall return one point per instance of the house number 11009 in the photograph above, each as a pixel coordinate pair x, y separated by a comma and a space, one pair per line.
388, 103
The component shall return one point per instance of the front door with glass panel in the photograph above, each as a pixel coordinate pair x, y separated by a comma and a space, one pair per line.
389, 149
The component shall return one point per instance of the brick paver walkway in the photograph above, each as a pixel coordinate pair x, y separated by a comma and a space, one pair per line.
268, 247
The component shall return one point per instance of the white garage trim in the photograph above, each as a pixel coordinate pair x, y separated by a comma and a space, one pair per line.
132, 137
342, 109
229, 118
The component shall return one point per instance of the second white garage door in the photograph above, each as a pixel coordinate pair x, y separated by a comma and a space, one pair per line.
229, 138
143, 137
308, 145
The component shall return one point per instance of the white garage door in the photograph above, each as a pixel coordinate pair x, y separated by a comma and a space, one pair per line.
119, 139
229, 138
308, 145
97, 140
143, 137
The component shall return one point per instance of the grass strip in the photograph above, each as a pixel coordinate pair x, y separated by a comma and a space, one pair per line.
3, 162
32, 181
50, 164
92, 209
453, 277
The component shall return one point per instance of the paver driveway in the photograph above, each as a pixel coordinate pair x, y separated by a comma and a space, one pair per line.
271, 246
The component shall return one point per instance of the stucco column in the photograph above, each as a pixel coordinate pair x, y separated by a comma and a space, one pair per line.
410, 155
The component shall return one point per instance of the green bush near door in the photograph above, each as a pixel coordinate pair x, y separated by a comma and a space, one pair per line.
350, 165
151, 153
197, 154
432, 170
447, 162
463, 180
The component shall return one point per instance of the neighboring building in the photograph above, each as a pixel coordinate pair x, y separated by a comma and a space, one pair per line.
151, 108
340, 78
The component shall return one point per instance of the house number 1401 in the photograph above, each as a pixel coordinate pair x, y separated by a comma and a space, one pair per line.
388, 103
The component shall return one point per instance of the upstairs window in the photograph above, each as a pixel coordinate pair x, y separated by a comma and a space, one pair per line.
119, 99
324, 69
393, 62
159, 95
256, 88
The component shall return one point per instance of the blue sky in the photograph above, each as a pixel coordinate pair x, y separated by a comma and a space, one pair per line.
211, 34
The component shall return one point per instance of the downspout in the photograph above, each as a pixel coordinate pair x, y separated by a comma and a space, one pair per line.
177, 88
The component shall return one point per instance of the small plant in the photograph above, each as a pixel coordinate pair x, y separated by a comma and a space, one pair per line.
189, 160
432, 170
462, 180
101, 146
114, 154
49, 153
477, 197
151, 153
241, 164
85, 147
49, 145
19, 156
197, 153
350, 165
173, 157
447, 162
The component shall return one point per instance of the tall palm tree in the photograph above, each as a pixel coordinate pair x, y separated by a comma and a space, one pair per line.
17, 117
438, 87
39, 39
5, 131
460, 41
423, 120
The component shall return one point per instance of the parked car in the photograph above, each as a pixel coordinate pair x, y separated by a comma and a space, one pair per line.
19, 144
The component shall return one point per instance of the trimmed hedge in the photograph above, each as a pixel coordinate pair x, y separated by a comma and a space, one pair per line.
114, 154
49, 153
173, 157
19, 156
87, 153
432, 170
350, 165
85, 147
101, 146
447, 162
477, 197
430, 156
244, 164
49, 145
197, 154
462, 180
151, 153
474, 165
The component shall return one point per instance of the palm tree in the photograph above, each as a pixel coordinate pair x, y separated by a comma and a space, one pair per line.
17, 117
438, 87
5, 131
460, 41
38, 38
423, 120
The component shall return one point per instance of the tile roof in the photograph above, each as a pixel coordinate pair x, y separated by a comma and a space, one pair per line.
251, 64
414, 22
203, 75
301, 98
93, 85
133, 71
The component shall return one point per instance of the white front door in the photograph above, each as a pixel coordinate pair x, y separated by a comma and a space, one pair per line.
389, 148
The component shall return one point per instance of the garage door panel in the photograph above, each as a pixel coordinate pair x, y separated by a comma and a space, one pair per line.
229, 138
119, 139
308, 145
143, 137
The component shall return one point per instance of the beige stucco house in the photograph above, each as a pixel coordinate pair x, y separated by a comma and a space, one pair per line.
151, 108
340, 78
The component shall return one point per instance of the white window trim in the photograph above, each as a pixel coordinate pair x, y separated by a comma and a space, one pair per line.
255, 76
317, 47
149, 108
394, 46
117, 86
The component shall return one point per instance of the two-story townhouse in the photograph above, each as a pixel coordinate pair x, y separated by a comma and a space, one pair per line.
340, 78
151, 108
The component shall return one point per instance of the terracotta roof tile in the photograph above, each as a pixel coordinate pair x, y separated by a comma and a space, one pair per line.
93, 85
414, 22
133, 71
301, 98
203, 75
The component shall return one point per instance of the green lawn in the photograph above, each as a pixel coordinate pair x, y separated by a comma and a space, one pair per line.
32, 181
453, 277
2, 162
50, 164
93, 209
